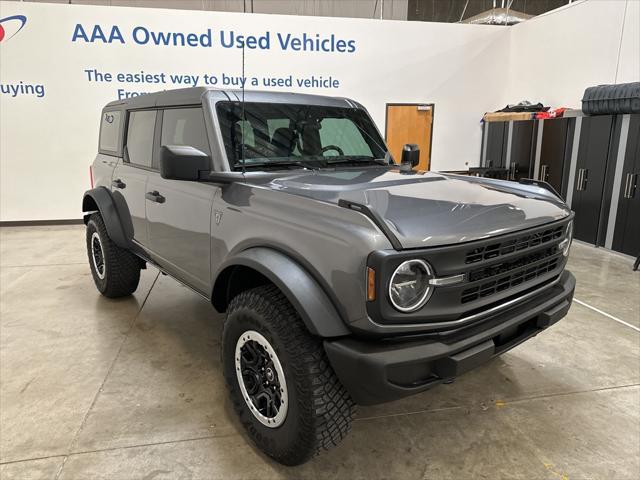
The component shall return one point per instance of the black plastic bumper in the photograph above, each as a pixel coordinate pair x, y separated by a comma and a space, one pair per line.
376, 372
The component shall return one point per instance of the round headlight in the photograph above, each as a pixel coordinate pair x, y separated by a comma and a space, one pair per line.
565, 245
409, 287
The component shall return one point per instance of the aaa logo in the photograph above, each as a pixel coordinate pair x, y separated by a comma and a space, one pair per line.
9, 26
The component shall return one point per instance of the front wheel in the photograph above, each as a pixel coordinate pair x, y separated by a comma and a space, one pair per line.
282, 387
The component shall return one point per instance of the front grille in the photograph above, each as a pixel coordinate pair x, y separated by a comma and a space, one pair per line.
508, 266
508, 281
514, 245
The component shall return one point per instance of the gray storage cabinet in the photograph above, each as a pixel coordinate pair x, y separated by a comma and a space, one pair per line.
555, 152
592, 161
625, 234
589, 180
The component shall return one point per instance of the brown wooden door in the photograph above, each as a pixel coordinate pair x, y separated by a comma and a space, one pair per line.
410, 124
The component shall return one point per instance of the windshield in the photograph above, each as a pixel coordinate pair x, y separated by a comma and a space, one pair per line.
280, 135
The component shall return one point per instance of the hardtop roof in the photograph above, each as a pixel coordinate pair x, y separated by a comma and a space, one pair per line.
194, 96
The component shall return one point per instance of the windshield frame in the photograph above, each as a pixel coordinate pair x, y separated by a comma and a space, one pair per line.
370, 134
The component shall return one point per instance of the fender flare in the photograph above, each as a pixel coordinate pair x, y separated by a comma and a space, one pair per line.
305, 294
102, 200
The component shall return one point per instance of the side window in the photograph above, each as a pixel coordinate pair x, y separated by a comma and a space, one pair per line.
110, 131
140, 137
185, 126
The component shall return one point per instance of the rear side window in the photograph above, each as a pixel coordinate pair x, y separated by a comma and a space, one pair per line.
140, 137
110, 131
185, 126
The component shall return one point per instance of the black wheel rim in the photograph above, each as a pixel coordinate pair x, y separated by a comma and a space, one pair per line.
97, 255
261, 379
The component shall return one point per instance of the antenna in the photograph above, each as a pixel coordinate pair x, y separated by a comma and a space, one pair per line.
244, 118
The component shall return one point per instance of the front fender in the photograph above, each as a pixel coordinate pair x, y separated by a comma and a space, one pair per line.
114, 212
305, 294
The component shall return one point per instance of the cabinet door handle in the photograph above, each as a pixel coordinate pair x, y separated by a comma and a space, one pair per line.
585, 178
544, 173
630, 185
627, 181
579, 182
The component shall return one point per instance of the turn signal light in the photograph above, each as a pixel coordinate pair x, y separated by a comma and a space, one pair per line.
371, 284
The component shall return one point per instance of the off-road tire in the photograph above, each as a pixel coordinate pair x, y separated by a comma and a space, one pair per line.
121, 267
319, 411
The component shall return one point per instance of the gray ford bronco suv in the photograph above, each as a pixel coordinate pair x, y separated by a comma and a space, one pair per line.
346, 276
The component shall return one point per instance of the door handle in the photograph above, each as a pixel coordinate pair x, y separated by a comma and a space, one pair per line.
544, 174
583, 175
154, 197
118, 184
630, 185
579, 182
627, 181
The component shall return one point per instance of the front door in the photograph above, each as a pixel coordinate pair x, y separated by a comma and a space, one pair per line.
179, 212
410, 123
130, 176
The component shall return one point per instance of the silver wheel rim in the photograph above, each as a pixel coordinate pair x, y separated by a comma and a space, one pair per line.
97, 255
259, 377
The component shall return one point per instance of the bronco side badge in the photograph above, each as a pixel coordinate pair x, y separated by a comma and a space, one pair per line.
218, 217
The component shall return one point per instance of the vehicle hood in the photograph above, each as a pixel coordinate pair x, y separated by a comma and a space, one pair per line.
431, 209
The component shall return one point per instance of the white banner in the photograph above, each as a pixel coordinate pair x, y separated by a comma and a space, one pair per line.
59, 64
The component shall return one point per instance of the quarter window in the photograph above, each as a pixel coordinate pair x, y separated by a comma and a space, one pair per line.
185, 126
140, 137
110, 131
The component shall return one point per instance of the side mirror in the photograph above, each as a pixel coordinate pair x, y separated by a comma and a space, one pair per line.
179, 162
410, 155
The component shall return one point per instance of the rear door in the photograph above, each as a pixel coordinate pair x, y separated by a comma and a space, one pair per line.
130, 176
179, 212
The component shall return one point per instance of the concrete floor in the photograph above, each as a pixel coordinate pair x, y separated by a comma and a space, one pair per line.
92, 388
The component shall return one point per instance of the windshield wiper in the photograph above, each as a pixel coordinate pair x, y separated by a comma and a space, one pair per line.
356, 160
282, 165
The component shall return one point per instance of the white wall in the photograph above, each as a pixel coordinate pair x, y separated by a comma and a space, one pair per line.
47, 144
629, 63
555, 56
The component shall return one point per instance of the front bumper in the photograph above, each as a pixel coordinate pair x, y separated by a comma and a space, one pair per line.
380, 371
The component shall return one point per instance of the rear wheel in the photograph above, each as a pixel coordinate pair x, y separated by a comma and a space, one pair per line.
286, 394
115, 271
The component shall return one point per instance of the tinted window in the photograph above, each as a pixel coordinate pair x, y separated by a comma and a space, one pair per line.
274, 134
343, 133
185, 126
140, 137
109, 131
